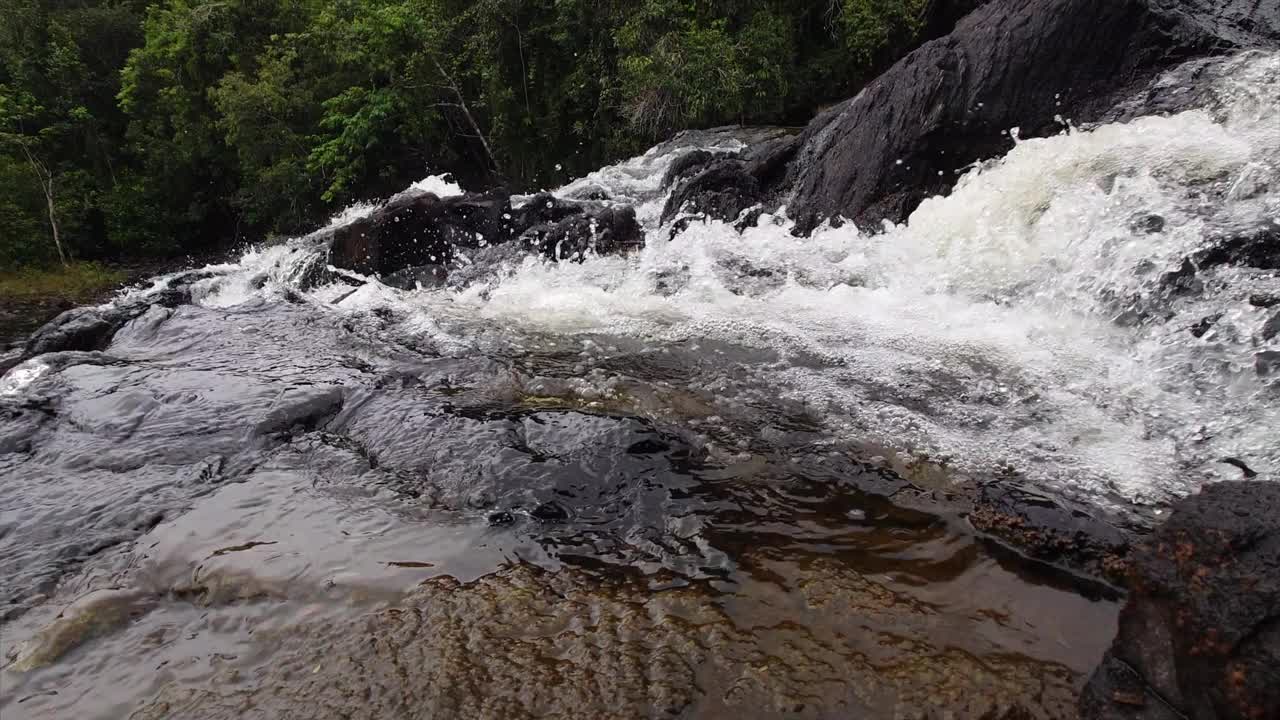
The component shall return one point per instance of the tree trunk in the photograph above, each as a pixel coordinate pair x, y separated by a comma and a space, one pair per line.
46, 184
466, 111
53, 221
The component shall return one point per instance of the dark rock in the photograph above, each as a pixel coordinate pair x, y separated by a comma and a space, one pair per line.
1202, 328
1264, 300
1149, 224
542, 209
1050, 529
1249, 473
1199, 636
1023, 63
1267, 362
85, 328
1181, 281
411, 278
687, 165
603, 230
648, 447
500, 519
1271, 327
414, 240
550, 512
720, 188
1258, 248
720, 192
419, 230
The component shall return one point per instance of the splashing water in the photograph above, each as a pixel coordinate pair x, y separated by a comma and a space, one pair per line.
985, 330
1018, 324
199, 515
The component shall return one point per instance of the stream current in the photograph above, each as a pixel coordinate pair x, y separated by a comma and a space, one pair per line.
702, 479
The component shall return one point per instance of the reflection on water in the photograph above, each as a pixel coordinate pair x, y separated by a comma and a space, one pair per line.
256, 511
673, 484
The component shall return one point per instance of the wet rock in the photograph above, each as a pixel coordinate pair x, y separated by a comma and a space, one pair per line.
720, 192
84, 329
419, 230
550, 512
1258, 248
1199, 637
1202, 328
1267, 362
1011, 63
97, 613
719, 188
412, 278
1149, 224
688, 165
1050, 529
602, 230
500, 519
542, 209
1183, 280
414, 240
1271, 327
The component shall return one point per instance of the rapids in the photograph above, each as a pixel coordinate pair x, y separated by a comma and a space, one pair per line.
655, 447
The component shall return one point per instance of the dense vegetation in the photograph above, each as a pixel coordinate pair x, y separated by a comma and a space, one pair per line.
132, 127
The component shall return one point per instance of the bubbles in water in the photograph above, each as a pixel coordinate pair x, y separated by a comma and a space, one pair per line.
1024, 321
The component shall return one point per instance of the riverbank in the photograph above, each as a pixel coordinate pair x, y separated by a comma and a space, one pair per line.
31, 297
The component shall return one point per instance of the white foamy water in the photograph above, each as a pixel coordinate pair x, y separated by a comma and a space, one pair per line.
1019, 324
983, 330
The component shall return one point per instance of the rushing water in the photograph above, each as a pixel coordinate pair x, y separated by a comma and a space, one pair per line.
636, 486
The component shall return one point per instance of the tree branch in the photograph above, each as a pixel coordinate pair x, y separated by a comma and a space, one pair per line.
462, 105
46, 184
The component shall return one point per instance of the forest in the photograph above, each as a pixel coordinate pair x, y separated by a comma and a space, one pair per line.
130, 128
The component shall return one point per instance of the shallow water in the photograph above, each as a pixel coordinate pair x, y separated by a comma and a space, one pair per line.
716, 476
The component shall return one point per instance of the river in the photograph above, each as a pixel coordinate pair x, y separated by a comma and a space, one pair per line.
708, 478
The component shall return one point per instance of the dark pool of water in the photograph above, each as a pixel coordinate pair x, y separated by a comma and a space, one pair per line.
270, 511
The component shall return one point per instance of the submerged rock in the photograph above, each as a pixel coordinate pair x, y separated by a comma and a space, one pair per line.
1200, 635
1050, 529
1024, 64
94, 614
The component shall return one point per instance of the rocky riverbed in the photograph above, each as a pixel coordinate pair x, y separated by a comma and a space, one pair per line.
888, 417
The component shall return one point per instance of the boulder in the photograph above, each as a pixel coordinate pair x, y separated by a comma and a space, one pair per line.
1258, 247
690, 164
83, 328
420, 230
1011, 63
602, 230
414, 240
721, 187
543, 209
1199, 635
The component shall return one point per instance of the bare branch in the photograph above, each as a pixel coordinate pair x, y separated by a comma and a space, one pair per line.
46, 184
462, 105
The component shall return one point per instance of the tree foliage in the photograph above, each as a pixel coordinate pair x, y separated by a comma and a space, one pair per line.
182, 124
